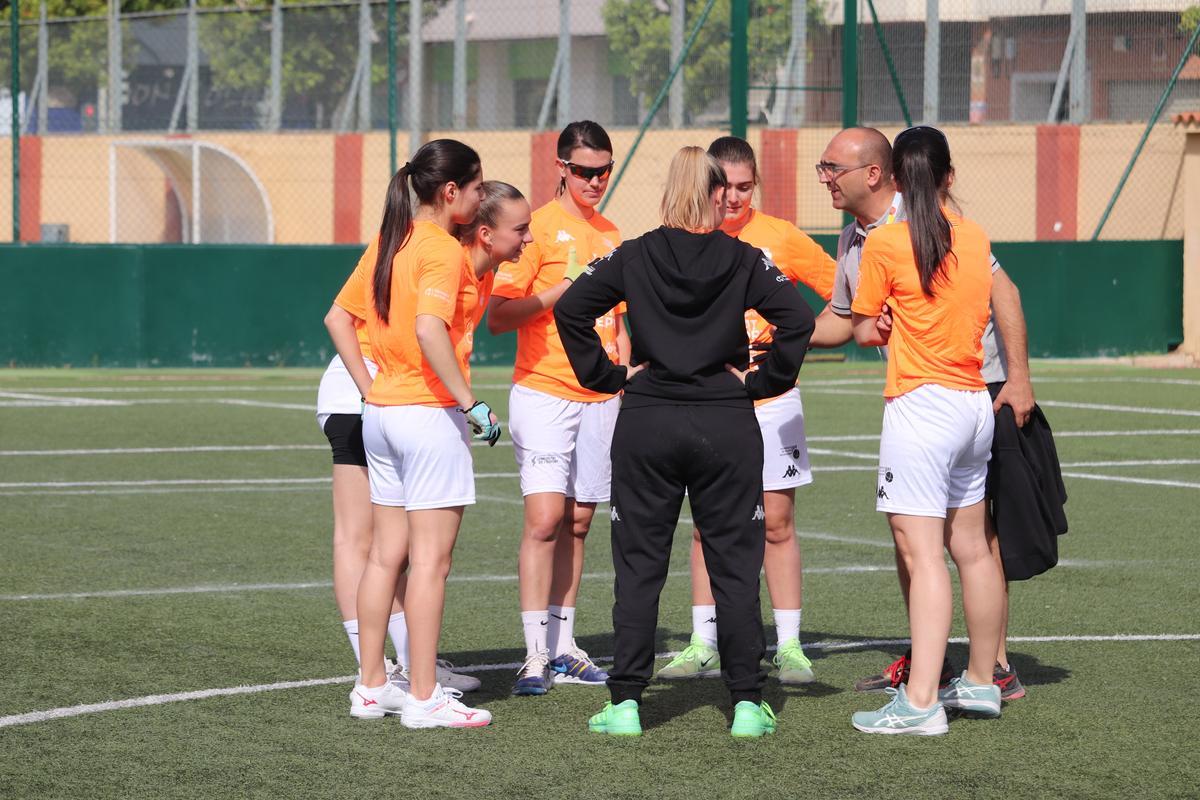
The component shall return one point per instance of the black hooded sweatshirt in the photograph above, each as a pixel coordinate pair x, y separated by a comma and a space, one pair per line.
687, 294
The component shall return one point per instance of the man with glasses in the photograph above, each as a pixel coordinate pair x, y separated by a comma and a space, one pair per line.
856, 169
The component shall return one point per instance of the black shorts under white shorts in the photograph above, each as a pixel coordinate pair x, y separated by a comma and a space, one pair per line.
345, 435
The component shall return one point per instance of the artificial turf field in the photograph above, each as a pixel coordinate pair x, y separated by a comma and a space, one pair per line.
127, 575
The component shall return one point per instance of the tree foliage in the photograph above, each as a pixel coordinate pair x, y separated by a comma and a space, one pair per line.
639, 35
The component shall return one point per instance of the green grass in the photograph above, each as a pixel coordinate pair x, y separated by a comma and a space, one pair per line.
1102, 719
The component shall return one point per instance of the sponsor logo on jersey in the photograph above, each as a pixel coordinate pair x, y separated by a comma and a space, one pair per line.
563, 236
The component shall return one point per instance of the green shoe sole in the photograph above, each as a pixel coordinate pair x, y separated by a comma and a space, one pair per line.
613, 730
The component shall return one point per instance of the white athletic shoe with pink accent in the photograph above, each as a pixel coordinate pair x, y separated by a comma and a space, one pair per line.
442, 710
378, 702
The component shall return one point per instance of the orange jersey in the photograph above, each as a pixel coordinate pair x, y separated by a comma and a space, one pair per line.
541, 362
430, 275
934, 340
355, 296
798, 257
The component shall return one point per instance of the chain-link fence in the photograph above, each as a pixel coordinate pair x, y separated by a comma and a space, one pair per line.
270, 120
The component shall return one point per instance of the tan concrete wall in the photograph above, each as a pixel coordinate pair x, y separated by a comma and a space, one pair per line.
996, 180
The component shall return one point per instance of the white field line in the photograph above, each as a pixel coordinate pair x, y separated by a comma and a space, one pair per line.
1124, 479
227, 401
195, 482
216, 448
816, 451
1150, 462
1168, 412
205, 694
235, 588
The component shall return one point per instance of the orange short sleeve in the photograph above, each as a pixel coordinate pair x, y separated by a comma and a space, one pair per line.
808, 263
439, 271
355, 296
874, 279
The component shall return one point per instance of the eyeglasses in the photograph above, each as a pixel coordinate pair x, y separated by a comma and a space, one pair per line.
588, 173
831, 172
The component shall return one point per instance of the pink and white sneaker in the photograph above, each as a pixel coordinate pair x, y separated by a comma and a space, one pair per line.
442, 710
378, 702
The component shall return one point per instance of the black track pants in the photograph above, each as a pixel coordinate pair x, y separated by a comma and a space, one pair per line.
716, 454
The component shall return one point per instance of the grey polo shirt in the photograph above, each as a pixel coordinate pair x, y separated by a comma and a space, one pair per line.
845, 283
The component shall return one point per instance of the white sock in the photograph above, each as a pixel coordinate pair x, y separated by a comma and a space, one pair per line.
398, 633
787, 624
704, 624
535, 624
560, 633
351, 626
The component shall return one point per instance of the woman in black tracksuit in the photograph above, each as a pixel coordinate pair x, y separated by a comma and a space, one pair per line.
686, 424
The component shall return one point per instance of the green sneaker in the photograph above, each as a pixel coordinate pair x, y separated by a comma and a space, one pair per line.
751, 721
698, 660
794, 666
619, 720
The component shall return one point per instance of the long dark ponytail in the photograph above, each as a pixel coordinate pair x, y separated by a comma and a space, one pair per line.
921, 164
437, 163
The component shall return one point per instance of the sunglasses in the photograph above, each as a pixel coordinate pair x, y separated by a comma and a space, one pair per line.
587, 173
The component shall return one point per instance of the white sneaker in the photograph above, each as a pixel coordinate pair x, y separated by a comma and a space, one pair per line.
377, 702
443, 674
442, 710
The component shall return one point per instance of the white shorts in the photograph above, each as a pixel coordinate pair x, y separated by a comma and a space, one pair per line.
785, 450
337, 393
934, 451
562, 445
418, 457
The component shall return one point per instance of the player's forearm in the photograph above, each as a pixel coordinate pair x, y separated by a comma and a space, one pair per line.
340, 324
866, 331
833, 330
434, 341
506, 314
1009, 320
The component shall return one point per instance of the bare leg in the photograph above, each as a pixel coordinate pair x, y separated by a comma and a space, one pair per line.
544, 513
432, 536
568, 553
782, 563
352, 538
377, 588
919, 541
994, 547
982, 587
701, 589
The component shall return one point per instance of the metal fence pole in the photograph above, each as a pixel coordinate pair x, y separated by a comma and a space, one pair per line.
675, 102
850, 63
460, 64
415, 79
563, 113
933, 57
1079, 87
1162, 101
739, 66
14, 28
364, 56
193, 67
275, 101
794, 100
115, 78
43, 70
392, 33
891, 65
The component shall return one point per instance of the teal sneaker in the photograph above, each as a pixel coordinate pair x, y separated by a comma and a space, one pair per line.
899, 717
698, 660
751, 720
619, 720
794, 666
978, 698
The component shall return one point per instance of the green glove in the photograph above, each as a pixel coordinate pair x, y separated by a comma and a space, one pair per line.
479, 417
574, 268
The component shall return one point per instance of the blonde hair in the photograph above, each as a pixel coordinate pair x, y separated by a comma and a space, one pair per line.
691, 180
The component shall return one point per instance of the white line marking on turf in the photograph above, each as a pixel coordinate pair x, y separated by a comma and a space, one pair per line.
816, 451
1124, 479
228, 401
1169, 412
197, 482
214, 448
1152, 462
205, 694
234, 588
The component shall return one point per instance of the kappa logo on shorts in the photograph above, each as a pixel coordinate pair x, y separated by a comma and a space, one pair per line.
791, 471
759, 514
882, 495
613, 515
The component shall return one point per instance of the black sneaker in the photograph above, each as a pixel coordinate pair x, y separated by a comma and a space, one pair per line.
896, 673
1009, 683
